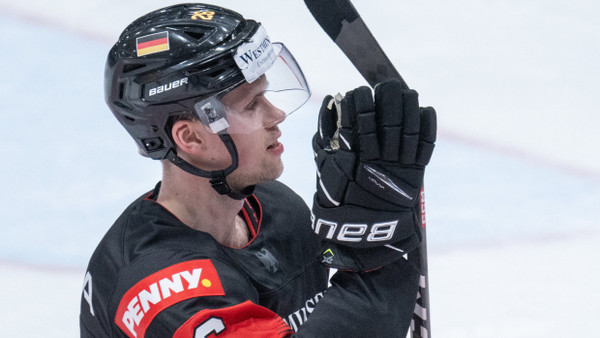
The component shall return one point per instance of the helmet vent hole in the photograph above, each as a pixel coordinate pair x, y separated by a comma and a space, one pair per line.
195, 35
121, 90
131, 67
216, 73
205, 68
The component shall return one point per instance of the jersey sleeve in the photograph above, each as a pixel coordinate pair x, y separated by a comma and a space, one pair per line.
378, 303
191, 298
247, 320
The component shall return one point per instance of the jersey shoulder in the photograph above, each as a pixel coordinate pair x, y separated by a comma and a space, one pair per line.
149, 261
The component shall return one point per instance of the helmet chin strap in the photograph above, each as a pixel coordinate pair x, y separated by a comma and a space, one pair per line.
217, 177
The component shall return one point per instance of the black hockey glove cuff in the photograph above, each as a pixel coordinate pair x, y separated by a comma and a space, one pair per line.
371, 157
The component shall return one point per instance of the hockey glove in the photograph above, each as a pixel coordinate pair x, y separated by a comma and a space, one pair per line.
371, 156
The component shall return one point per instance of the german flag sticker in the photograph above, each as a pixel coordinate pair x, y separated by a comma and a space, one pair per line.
152, 43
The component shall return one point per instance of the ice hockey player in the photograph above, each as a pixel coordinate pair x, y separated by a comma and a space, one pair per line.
220, 248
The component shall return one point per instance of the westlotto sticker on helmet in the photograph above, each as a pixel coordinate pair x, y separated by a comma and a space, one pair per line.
153, 43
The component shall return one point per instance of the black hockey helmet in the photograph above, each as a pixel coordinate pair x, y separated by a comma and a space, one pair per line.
164, 57
179, 61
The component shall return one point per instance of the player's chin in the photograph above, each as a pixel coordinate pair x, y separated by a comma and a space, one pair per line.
272, 171
269, 171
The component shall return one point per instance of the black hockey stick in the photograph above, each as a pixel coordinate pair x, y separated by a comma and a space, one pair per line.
340, 20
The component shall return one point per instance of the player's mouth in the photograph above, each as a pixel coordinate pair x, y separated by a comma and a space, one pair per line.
276, 148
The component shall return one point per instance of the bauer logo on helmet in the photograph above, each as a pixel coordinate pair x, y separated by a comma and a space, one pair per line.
168, 86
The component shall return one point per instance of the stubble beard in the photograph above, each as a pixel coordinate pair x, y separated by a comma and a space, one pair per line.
239, 180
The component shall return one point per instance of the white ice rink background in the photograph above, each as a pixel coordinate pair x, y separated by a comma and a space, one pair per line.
513, 190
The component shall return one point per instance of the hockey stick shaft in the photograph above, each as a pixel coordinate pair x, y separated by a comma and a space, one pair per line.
421, 323
341, 21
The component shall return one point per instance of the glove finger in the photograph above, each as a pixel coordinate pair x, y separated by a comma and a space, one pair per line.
348, 122
348, 119
427, 135
410, 127
388, 104
327, 122
366, 124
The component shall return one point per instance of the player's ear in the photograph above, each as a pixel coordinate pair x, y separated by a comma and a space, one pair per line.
190, 136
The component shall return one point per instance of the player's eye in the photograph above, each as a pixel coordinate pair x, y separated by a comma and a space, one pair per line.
252, 105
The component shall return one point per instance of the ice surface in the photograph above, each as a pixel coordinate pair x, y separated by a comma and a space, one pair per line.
512, 191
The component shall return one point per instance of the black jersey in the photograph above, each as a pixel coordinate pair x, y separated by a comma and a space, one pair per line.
153, 276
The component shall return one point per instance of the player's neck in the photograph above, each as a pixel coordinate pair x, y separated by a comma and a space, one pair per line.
200, 207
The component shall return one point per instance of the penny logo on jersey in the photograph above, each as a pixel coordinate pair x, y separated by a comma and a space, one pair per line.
146, 299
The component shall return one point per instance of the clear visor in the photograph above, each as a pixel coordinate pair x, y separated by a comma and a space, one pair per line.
263, 100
